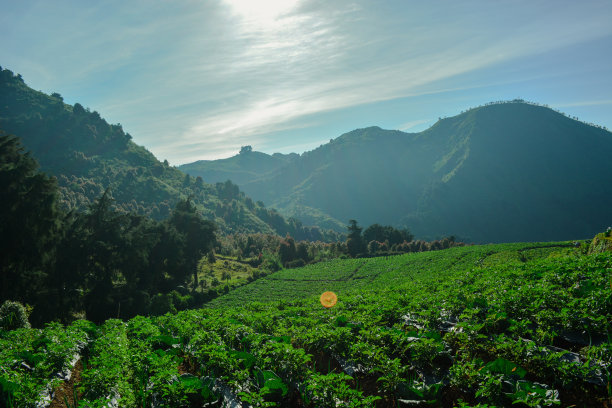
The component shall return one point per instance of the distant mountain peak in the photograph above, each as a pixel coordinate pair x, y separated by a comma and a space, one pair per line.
504, 171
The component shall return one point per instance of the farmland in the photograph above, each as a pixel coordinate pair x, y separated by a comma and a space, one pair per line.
492, 325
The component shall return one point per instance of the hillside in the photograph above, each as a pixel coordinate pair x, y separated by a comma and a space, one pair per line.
245, 167
87, 155
504, 172
444, 329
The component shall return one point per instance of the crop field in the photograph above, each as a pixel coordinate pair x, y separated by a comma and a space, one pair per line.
344, 276
525, 325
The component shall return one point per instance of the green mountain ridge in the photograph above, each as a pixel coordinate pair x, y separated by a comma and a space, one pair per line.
503, 172
87, 155
244, 167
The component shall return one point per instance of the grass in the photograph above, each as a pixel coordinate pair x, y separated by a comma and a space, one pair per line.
223, 270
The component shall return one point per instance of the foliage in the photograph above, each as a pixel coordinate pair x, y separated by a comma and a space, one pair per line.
28, 220
467, 326
387, 233
355, 243
13, 316
87, 156
104, 262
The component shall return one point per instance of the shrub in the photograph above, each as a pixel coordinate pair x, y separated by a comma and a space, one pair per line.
296, 263
179, 302
13, 315
162, 304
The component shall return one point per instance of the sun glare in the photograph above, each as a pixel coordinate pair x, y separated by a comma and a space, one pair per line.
267, 10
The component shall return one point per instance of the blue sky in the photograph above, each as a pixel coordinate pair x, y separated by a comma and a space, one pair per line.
194, 80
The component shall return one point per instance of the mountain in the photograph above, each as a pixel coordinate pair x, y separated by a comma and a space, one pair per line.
87, 155
503, 172
240, 169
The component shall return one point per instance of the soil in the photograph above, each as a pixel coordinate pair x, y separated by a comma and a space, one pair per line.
66, 390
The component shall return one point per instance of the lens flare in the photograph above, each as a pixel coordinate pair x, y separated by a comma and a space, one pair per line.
328, 299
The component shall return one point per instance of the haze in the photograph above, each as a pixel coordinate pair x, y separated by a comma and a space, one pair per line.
196, 80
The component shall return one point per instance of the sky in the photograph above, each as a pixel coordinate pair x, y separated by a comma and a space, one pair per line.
197, 79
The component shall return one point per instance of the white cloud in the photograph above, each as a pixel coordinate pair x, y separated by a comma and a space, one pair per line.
291, 72
414, 123
200, 79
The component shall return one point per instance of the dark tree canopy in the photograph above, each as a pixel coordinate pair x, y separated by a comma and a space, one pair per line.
287, 250
199, 234
104, 261
393, 236
28, 219
355, 243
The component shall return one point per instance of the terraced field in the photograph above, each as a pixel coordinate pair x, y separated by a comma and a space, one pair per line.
349, 275
499, 325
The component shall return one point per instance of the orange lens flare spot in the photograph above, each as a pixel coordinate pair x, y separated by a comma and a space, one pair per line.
329, 299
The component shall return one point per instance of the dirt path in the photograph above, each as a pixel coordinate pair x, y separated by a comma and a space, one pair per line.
66, 390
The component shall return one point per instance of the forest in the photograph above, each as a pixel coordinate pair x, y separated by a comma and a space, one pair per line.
105, 262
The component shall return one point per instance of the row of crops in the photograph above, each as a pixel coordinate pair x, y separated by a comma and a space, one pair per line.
480, 326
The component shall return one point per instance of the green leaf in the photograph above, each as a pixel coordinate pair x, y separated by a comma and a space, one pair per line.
271, 384
167, 340
203, 386
31, 358
341, 321
247, 359
280, 339
505, 367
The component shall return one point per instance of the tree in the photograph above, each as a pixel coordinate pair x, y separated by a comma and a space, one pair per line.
246, 149
393, 236
355, 243
78, 109
227, 190
302, 252
286, 250
101, 262
29, 221
198, 233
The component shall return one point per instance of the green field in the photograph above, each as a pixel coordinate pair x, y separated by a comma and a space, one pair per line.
345, 276
525, 325
224, 270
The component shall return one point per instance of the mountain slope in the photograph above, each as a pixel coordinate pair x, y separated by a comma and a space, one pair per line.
240, 169
88, 155
498, 173
525, 172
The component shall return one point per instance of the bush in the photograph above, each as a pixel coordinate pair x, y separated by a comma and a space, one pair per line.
162, 304
296, 263
13, 315
271, 262
179, 302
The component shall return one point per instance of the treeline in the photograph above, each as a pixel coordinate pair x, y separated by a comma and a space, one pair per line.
275, 252
102, 262
379, 240
519, 100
